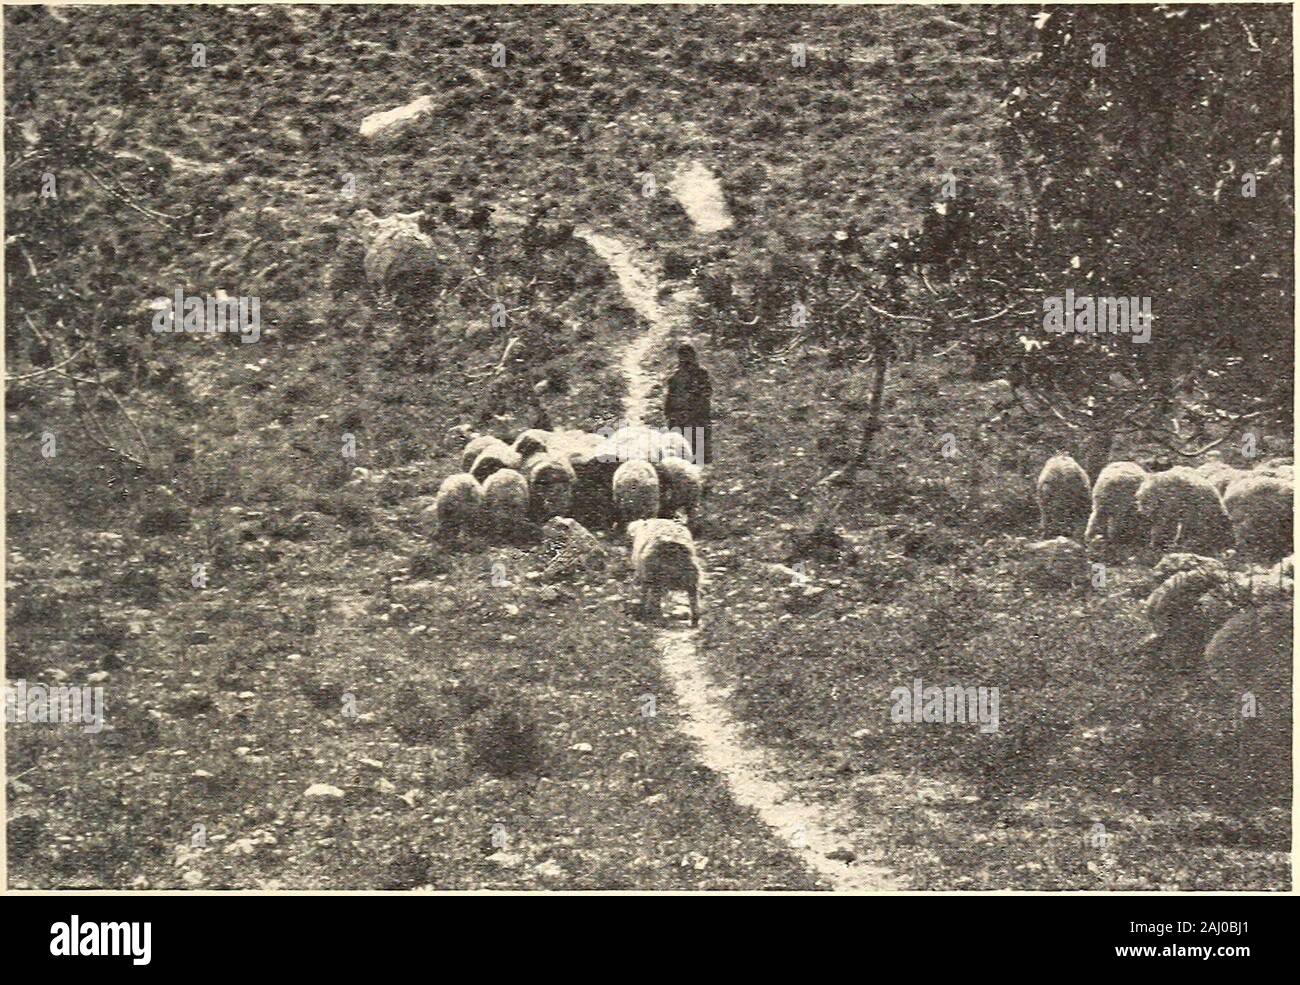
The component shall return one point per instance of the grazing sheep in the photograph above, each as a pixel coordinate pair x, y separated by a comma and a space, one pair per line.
1220, 474
646, 445
532, 441
636, 491
1258, 639
1278, 468
1193, 597
494, 458
1248, 664
1284, 568
573, 446
1064, 498
458, 504
680, 487
673, 444
663, 555
476, 447
551, 481
1261, 509
630, 444
505, 499
1115, 516
593, 494
1184, 510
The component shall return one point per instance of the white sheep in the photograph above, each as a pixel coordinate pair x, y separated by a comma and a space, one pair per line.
663, 555
1262, 510
1114, 504
572, 446
636, 491
495, 457
629, 444
1190, 589
1252, 654
532, 441
1220, 474
1278, 468
673, 444
681, 485
1184, 510
505, 498
458, 504
1064, 498
476, 447
550, 481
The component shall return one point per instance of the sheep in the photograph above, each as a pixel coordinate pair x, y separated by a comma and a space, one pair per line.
1064, 498
1193, 598
680, 487
673, 444
663, 555
476, 447
532, 441
629, 444
636, 491
493, 458
593, 493
505, 499
550, 481
1249, 660
1284, 568
1184, 510
458, 504
1277, 468
573, 446
1261, 509
1114, 504
1220, 474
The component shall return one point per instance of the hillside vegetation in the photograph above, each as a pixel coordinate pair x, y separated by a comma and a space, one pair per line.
305, 689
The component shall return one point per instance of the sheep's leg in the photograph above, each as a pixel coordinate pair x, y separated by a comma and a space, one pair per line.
1091, 529
694, 593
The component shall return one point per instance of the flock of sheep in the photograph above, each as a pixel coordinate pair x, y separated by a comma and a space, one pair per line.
637, 476
1203, 510
644, 478
1200, 608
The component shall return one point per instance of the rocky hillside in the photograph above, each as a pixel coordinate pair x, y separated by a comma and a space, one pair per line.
303, 688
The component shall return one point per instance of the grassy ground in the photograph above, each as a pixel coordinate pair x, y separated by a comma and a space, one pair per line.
1092, 730
333, 645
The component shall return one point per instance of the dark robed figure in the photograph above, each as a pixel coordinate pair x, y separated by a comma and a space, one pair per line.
687, 403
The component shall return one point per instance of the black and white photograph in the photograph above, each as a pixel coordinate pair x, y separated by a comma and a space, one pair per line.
648, 449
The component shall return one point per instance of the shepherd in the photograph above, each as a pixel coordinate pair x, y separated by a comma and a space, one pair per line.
687, 403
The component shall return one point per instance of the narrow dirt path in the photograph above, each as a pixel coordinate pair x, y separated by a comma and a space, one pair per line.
640, 285
751, 774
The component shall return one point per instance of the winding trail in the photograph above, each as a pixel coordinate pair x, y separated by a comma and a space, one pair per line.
752, 775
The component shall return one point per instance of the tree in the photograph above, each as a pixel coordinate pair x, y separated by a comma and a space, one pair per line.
1150, 141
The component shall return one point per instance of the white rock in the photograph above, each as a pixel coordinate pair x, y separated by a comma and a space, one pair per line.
549, 869
507, 860
394, 245
389, 123
323, 790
